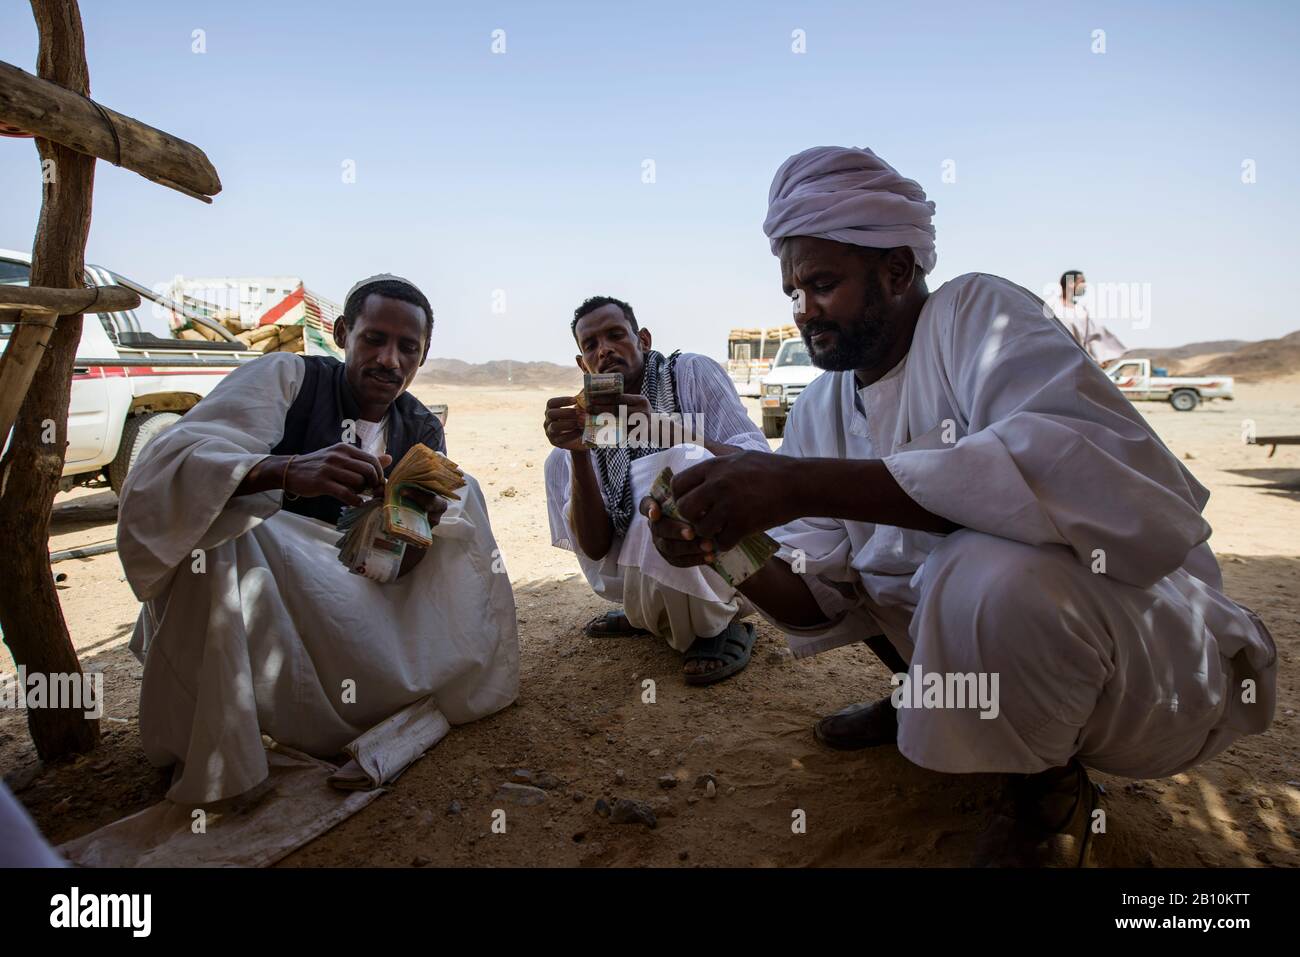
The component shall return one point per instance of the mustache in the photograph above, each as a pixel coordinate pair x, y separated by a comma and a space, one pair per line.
383, 376
867, 327
812, 329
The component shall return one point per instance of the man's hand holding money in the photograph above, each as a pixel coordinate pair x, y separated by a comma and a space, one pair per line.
340, 470
433, 504
722, 500
564, 423
635, 403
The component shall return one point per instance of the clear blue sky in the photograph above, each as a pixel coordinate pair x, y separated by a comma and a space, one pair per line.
522, 171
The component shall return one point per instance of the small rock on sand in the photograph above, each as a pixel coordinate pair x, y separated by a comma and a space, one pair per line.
523, 794
627, 811
663, 807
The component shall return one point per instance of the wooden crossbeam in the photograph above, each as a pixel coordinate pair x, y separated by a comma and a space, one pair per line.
36, 309
55, 113
1273, 441
70, 302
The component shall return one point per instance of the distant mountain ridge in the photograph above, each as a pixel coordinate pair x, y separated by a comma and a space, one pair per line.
499, 372
1259, 361
1192, 349
1249, 361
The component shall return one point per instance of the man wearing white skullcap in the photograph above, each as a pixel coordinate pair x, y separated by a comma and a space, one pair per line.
250, 623
970, 493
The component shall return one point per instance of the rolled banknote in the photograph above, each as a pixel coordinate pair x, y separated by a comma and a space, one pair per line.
600, 384
382, 560
735, 564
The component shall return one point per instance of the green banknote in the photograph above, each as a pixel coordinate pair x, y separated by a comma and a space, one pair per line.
599, 384
734, 565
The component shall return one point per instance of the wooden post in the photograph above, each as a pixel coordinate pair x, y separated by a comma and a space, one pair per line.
27, 346
34, 628
39, 310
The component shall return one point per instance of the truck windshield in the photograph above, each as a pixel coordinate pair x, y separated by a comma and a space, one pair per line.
12, 274
793, 353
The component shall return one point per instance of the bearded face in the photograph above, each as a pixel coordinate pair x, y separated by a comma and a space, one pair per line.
863, 343
846, 320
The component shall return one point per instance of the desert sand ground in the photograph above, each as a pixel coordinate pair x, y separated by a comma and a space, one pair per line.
580, 716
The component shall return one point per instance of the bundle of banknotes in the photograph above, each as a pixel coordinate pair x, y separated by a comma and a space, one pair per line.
734, 565
599, 384
376, 533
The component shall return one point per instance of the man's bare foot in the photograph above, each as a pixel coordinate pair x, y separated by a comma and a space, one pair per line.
720, 656
612, 624
701, 666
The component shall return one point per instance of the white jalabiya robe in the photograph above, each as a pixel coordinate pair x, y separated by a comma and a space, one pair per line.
266, 632
1098, 341
1082, 575
21, 842
675, 604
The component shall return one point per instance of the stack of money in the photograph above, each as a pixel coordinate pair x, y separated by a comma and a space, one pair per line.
734, 565
597, 384
365, 548
376, 533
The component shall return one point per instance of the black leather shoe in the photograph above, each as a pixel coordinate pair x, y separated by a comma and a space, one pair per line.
1042, 820
859, 726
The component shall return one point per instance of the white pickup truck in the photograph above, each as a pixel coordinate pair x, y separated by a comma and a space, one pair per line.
792, 372
1184, 393
128, 384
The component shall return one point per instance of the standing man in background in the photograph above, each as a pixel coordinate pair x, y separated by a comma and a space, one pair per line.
1098, 341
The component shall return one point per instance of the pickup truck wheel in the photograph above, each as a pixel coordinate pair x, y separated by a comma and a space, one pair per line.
773, 428
138, 432
1184, 400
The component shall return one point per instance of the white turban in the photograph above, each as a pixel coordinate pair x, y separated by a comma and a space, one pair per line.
849, 196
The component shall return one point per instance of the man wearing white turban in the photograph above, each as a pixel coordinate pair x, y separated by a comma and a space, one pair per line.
966, 489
